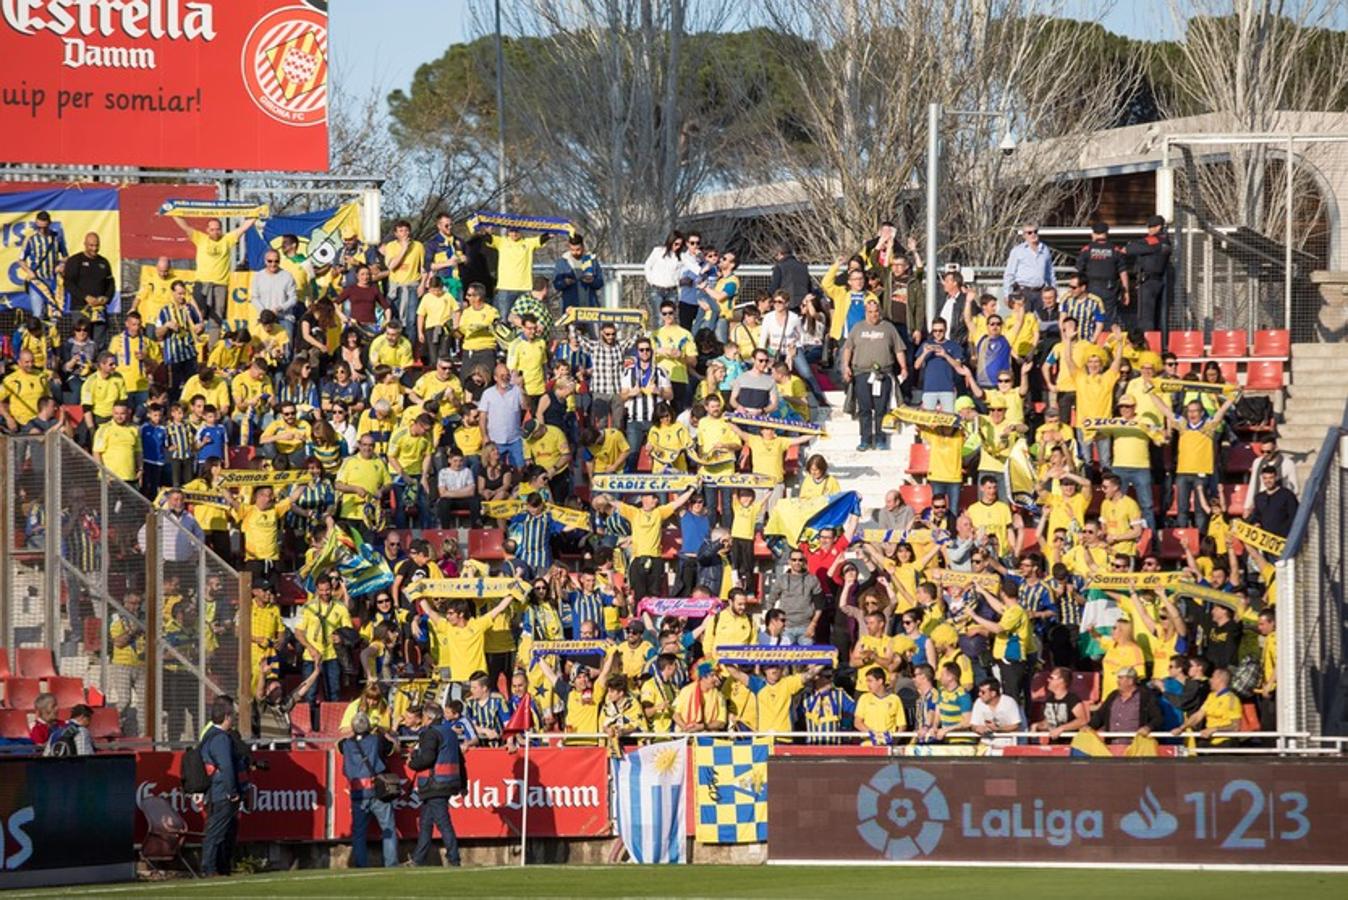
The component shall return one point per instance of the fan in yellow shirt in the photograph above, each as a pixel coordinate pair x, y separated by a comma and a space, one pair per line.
648, 519
878, 711
391, 348
117, 444
136, 354
528, 355
515, 259
460, 637
1221, 711
260, 523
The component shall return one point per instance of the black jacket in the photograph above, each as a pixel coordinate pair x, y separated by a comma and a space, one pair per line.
424, 757
1149, 716
791, 275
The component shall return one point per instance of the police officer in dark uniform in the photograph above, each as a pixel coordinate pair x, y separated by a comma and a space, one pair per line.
440, 760
1152, 257
1106, 269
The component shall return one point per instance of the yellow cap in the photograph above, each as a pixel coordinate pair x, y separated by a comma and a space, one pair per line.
945, 635
902, 643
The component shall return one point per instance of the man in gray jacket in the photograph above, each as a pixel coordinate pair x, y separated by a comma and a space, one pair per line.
797, 593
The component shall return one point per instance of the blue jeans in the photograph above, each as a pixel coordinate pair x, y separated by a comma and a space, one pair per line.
217, 841
512, 451
705, 319
330, 679
1188, 486
1140, 481
951, 491
435, 814
657, 296
719, 500
636, 439
795, 635
361, 813
504, 300
944, 399
404, 299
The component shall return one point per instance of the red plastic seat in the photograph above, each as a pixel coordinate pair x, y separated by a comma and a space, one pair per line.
1239, 459
1086, 685
917, 496
21, 693
436, 538
291, 592
761, 549
1144, 542
486, 544
74, 413
13, 724
1186, 343
93, 632
1235, 497
1174, 540
670, 542
644, 458
106, 724
1264, 375
241, 457
1039, 685
1273, 342
1154, 341
919, 460
4, 663
34, 662
299, 719
68, 691
330, 716
1229, 342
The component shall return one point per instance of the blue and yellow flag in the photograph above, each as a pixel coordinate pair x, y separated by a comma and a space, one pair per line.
75, 212
795, 520
319, 233
732, 790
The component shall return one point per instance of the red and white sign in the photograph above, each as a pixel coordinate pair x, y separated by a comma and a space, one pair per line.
239, 84
567, 795
286, 802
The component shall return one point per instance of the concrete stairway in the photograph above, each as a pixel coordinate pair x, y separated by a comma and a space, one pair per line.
872, 473
1315, 401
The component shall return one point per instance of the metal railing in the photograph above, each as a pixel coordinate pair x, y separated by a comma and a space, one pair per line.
90, 560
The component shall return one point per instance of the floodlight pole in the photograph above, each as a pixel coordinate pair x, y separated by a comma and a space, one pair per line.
500, 115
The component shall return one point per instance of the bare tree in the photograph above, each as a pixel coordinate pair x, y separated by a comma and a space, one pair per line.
601, 120
863, 103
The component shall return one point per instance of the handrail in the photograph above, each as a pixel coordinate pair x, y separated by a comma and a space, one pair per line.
1314, 487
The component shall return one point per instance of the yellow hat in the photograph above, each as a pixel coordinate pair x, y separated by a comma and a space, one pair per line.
1149, 358
902, 643
945, 635
996, 402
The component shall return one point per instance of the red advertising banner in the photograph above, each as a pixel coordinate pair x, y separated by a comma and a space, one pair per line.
1253, 813
238, 84
567, 796
286, 802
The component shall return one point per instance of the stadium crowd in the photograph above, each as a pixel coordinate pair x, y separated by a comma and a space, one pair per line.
405, 391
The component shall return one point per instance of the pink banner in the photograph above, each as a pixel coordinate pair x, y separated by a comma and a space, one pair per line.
681, 607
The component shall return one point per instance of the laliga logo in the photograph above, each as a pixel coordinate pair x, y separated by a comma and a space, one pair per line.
888, 812
285, 65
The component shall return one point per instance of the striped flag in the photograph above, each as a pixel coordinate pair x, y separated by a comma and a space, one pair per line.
651, 788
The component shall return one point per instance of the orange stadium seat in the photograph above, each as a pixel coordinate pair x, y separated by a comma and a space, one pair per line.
35, 662
1273, 343
1186, 344
20, 693
1154, 341
68, 691
486, 544
919, 460
1229, 342
4, 663
1174, 540
1264, 375
13, 724
918, 496
106, 724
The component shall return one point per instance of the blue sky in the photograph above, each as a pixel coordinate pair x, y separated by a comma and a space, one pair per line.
375, 50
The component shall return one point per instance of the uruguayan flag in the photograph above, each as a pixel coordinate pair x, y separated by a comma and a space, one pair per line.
652, 803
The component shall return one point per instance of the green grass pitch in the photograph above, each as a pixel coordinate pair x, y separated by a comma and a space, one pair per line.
833, 882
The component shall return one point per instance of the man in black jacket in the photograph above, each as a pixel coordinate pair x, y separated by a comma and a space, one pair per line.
791, 275
438, 756
1275, 507
1131, 708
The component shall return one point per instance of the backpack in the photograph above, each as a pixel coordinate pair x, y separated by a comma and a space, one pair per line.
195, 778
61, 742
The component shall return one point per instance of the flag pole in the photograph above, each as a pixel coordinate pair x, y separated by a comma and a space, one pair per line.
524, 797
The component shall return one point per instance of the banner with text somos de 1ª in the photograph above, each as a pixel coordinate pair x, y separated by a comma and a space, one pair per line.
1272, 813
237, 84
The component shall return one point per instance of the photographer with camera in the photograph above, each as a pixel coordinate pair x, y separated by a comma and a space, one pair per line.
444, 775
373, 790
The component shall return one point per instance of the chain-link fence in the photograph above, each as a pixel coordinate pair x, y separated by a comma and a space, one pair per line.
1312, 598
1250, 230
124, 594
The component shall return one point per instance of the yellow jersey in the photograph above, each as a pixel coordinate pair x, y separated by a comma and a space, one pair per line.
995, 519
769, 456
476, 327
319, 621
261, 528
118, 447
461, 648
1119, 516
101, 394
547, 449
25, 391
136, 356
879, 715
215, 258
409, 266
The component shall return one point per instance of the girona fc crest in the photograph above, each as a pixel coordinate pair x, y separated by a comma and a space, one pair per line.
285, 65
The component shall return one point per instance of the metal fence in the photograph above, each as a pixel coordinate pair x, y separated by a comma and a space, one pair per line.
91, 561
1312, 671
1250, 229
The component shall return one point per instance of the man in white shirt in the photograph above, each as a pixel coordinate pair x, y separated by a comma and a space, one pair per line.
995, 713
456, 489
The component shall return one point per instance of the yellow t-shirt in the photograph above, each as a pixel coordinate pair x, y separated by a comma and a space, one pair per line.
728, 629
611, 447
774, 703
810, 488
133, 654
261, 528
217, 394
651, 695
102, 393
215, 258
1118, 516
409, 451
246, 388
1013, 643
1081, 350
297, 435
461, 648
157, 292
475, 325
318, 622
945, 457
409, 268
546, 449
395, 355
995, 519
1195, 448
437, 311
132, 368
710, 433
769, 456
469, 440
514, 261
119, 446
1135, 452
530, 359
677, 338
667, 442
357, 471
879, 715
1077, 557
1223, 713
1095, 395
449, 391
1067, 513
1117, 657
25, 390
646, 527
744, 519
